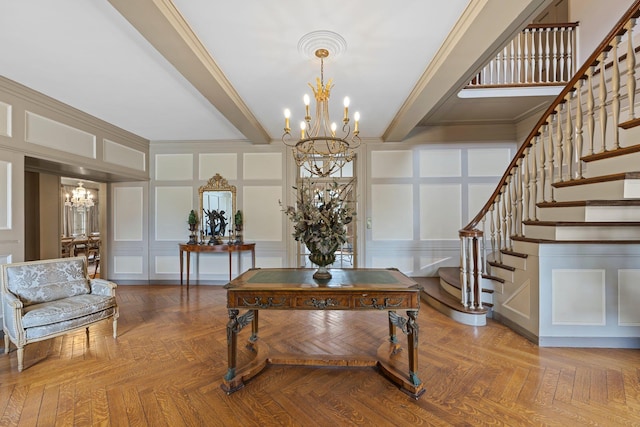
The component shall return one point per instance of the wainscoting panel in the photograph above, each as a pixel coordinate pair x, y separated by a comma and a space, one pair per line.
440, 211
127, 264
628, 297
5, 119
168, 264
5, 195
440, 163
392, 212
174, 167
128, 214
392, 164
263, 217
172, 203
122, 155
486, 161
262, 166
578, 297
226, 164
520, 301
50, 133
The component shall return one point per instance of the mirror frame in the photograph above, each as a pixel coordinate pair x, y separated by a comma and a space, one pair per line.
218, 184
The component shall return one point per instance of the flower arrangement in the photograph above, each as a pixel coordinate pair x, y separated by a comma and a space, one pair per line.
320, 218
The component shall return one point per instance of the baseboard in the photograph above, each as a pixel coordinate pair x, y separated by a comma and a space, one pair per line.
590, 342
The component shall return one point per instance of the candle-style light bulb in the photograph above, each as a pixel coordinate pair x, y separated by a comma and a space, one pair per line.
303, 126
287, 115
333, 129
356, 117
346, 109
307, 101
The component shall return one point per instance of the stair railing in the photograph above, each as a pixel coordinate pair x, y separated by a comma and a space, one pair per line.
540, 54
553, 151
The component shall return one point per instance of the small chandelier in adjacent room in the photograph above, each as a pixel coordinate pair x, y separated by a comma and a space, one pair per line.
320, 151
80, 197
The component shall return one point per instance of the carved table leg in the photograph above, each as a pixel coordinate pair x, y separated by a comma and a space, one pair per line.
412, 344
392, 330
254, 327
232, 343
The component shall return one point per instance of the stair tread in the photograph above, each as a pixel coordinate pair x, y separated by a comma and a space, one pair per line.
613, 153
514, 254
573, 242
630, 123
597, 179
501, 265
580, 203
583, 223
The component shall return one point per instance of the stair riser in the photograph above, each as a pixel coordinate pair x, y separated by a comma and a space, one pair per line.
502, 273
590, 213
610, 190
514, 261
574, 233
626, 163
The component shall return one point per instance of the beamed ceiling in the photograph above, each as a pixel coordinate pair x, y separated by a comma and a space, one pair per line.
225, 70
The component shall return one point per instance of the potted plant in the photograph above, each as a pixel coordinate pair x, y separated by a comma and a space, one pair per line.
193, 222
237, 221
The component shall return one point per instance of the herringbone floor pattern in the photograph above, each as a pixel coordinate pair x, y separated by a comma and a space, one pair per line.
166, 365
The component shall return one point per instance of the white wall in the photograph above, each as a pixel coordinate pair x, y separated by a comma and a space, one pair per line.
596, 18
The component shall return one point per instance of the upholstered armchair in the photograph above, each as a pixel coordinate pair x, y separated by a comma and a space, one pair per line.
47, 298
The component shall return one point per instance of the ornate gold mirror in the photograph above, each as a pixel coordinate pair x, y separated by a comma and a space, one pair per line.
217, 208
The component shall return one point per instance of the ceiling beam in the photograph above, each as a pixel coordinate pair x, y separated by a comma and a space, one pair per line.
485, 27
165, 28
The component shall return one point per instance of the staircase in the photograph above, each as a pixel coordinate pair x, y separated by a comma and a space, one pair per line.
561, 232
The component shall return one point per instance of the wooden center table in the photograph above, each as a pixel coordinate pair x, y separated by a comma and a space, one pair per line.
349, 289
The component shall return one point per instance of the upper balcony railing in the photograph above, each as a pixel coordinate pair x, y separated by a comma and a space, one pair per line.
541, 54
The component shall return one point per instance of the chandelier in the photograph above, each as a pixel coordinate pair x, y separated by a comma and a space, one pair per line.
80, 197
319, 151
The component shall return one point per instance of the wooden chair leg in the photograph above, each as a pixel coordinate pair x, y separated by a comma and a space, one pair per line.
6, 343
20, 358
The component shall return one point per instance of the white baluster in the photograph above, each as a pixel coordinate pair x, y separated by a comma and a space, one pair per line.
534, 178
543, 164
527, 186
569, 132
631, 69
590, 109
561, 58
615, 90
541, 54
559, 146
550, 155
464, 278
551, 74
518, 197
603, 101
579, 119
519, 59
526, 59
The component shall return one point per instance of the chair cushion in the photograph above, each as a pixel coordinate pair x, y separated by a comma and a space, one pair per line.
65, 309
43, 332
48, 281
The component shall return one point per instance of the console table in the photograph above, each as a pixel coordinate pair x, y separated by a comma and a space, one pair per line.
228, 248
349, 289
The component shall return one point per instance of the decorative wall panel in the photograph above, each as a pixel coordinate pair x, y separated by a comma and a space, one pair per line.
167, 264
122, 155
262, 166
174, 167
478, 196
49, 133
488, 161
392, 164
440, 211
392, 212
440, 163
578, 297
226, 164
519, 301
127, 213
263, 216
172, 209
628, 297
5, 196
5, 119
127, 264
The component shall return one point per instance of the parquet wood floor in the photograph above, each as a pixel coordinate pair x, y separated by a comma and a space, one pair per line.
166, 366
